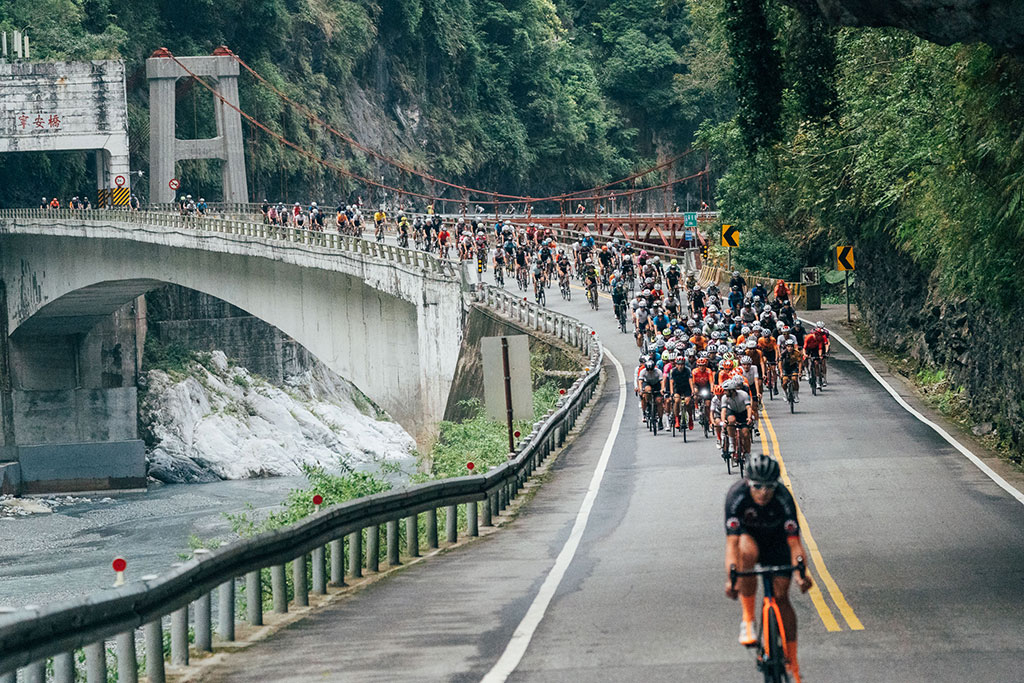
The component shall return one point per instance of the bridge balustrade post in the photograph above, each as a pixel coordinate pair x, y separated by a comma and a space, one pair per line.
179, 637
36, 672
372, 548
153, 634
299, 581
431, 520
355, 554
279, 589
319, 571
63, 668
338, 561
392, 534
412, 536
254, 598
502, 497
471, 521
495, 503
226, 611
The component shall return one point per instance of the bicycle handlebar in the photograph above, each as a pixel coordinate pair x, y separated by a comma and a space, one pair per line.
773, 570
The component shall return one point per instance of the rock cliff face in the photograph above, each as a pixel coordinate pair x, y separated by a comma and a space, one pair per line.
905, 312
1000, 23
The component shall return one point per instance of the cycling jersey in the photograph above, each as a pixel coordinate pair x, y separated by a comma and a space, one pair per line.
791, 362
814, 344
769, 525
680, 377
702, 377
736, 404
651, 378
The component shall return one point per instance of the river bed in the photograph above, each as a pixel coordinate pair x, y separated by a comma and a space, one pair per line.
47, 558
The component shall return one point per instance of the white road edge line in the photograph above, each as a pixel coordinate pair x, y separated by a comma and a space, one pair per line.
1002, 483
523, 634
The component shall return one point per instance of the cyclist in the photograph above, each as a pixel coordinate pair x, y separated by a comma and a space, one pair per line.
751, 374
819, 329
781, 291
539, 281
648, 385
737, 416
679, 385
737, 281
789, 368
589, 274
761, 527
814, 347
618, 297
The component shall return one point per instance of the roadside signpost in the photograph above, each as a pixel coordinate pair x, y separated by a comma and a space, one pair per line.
845, 262
730, 239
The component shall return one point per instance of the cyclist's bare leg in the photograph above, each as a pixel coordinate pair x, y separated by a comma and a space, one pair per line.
747, 585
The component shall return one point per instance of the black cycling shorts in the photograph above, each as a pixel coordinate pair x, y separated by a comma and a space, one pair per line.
741, 417
772, 549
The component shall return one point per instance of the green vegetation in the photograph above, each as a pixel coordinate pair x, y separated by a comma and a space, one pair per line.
171, 357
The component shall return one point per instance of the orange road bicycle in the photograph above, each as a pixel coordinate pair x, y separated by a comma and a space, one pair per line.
771, 634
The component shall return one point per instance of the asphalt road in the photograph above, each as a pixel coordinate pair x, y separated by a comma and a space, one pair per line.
917, 556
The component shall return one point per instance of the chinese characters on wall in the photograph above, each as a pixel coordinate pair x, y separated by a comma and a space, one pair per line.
37, 122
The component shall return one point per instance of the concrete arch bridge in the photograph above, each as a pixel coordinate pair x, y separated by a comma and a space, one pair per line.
390, 320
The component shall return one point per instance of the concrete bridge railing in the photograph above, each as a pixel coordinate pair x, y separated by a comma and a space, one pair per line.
30, 637
248, 228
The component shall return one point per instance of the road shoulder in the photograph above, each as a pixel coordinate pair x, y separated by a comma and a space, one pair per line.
834, 317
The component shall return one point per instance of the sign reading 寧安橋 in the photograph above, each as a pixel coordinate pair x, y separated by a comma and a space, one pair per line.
59, 106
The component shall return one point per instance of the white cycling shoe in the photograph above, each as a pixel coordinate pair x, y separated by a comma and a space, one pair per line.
747, 636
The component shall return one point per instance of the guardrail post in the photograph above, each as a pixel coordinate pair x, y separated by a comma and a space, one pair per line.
412, 536
153, 634
226, 611
338, 561
471, 523
432, 528
485, 512
179, 637
372, 548
319, 571
127, 663
495, 502
279, 589
203, 624
451, 523
63, 668
254, 598
299, 581
502, 497
393, 558
355, 554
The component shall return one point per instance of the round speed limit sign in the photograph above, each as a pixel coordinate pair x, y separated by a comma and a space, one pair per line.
120, 181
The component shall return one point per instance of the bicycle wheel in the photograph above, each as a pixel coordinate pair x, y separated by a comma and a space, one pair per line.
683, 423
773, 665
814, 380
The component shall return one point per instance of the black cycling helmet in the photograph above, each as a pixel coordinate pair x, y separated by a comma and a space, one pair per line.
763, 469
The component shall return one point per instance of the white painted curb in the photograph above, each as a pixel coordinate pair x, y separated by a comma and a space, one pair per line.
989, 472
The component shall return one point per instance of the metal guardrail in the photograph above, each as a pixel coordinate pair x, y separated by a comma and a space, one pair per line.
30, 636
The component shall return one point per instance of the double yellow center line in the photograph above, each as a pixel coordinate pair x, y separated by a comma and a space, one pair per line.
817, 561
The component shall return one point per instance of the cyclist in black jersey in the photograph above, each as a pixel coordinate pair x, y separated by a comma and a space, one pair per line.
762, 527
